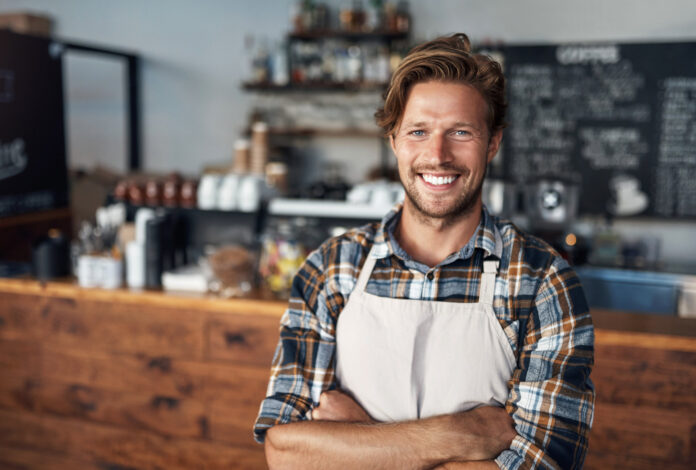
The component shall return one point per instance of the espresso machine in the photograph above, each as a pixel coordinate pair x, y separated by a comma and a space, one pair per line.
551, 206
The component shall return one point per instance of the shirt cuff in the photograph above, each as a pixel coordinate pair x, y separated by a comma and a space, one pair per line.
280, 409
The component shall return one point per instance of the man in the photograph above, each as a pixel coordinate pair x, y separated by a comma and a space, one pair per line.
442, 337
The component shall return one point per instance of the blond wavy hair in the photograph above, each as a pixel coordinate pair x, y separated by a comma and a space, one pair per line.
446, 59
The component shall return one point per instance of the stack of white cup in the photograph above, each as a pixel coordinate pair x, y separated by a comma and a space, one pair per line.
231, 192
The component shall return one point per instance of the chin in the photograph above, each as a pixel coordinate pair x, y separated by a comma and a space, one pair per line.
452, 210
465, 204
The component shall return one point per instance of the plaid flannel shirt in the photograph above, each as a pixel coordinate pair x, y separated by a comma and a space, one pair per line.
538, 301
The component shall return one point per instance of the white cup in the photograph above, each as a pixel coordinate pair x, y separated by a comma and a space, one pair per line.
381, 195
360, 194
111, 272
250, 193
228, 192
88, 271
208, 191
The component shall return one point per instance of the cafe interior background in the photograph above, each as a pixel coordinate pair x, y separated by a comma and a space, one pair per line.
197, 151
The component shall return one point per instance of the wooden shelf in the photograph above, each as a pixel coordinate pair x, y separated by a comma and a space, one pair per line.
314, 86
312, 132
350, 35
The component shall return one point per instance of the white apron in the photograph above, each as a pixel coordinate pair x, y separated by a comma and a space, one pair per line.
408, 359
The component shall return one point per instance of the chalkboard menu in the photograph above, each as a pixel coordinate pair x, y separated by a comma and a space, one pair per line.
33, 170
617, 119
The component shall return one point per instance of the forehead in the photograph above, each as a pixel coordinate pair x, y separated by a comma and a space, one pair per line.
445, 101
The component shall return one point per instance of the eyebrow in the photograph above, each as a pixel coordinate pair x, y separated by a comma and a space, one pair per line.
465, 124
424, 123
414, 124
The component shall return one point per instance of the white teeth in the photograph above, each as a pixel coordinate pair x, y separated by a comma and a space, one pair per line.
438, 180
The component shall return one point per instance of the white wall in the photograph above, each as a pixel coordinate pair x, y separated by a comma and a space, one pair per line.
194, 60
192, 106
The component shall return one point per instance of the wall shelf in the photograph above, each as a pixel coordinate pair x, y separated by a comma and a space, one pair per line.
348, 35
314, 86
317, 132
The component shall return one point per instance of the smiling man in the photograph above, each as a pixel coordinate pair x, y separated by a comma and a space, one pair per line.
442, 337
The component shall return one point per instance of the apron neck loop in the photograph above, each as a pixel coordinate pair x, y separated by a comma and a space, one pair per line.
366, 270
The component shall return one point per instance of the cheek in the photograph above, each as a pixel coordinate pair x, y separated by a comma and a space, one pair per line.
406, 151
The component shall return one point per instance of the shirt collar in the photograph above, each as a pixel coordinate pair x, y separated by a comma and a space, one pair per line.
385, 244
485, 235
384, 239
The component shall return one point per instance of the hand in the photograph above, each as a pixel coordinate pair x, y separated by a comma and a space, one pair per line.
491, 428
335, 405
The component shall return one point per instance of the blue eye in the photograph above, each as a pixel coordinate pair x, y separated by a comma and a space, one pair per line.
417, 133
463, 135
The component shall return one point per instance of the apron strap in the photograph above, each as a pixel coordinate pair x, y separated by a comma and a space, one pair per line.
366, 270
490, 269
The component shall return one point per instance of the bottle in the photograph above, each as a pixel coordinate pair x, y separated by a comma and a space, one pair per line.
375, 16
390, 16
153, 193
189, 190
346, 16
382, 65
321, 17
171, 192
403, 17
280, 65
261, 64
359, 16
354, 64
308, 14
136, 194
296, 15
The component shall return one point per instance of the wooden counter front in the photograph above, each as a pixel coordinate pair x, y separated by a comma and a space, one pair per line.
96, 379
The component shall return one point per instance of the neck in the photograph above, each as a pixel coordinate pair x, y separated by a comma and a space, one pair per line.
430, 240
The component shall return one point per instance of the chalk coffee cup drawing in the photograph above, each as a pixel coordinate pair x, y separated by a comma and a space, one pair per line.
628, 199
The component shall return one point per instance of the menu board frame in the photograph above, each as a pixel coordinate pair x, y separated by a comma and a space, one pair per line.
616, 118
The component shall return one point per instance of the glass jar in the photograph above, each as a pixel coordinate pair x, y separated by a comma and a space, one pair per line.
284, 247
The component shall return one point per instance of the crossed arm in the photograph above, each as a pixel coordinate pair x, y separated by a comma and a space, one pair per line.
551, 396
342, 435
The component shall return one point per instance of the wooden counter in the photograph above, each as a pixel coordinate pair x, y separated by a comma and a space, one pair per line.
96, 379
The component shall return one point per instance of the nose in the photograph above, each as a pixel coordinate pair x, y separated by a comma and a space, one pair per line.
438, 151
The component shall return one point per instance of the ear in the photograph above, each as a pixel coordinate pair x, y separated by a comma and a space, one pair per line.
392, 143
494, 145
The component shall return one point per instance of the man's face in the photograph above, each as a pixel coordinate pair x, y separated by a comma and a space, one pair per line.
442, 148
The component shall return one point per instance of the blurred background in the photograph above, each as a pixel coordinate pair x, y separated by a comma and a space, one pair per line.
160, 150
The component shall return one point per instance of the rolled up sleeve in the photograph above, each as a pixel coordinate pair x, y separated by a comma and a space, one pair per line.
302, 365
552, 397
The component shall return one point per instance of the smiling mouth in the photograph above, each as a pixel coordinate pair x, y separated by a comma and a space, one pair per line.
438, 180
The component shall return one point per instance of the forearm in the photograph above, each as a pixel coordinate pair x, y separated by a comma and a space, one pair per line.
325, 444
417, 444
471, 465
